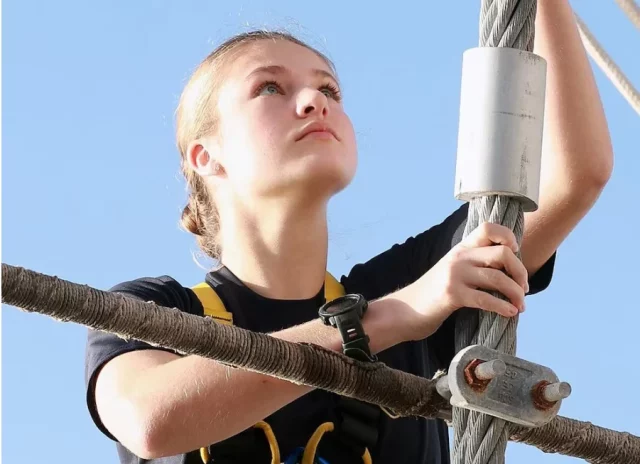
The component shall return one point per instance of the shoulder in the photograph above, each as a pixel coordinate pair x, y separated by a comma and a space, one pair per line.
405, 262
163, 290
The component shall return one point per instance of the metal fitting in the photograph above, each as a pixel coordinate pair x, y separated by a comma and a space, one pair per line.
502, 100
442, 387
504, 386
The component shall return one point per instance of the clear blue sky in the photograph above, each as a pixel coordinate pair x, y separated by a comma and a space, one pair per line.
92, 191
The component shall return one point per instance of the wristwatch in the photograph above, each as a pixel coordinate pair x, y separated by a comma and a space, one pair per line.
345, 313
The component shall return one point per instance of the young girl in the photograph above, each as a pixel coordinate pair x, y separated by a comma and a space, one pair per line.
265, 144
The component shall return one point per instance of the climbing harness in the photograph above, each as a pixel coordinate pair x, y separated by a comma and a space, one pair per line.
269, 435
358, 421
215, 309
307, 455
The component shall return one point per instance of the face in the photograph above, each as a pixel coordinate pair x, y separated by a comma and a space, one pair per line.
282, 130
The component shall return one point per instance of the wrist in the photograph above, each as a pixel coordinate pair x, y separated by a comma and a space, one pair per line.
389, 321
424, 313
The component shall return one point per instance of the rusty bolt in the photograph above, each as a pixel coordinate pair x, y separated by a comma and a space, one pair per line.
546, 394
556, 391
490, 369
479, 373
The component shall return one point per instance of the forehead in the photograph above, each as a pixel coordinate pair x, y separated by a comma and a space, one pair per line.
277, 52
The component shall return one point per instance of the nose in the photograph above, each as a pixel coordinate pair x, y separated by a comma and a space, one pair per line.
312, 102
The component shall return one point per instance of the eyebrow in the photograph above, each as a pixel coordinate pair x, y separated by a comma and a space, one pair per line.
277, 69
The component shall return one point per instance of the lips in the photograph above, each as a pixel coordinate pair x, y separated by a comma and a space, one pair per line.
316, 127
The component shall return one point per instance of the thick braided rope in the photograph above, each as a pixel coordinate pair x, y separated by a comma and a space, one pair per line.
479, 438
402, 393
579, 439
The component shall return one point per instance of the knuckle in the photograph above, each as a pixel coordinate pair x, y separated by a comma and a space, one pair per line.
457, 255
456, 252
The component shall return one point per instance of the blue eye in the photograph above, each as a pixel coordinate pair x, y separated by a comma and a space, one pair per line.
331, 91
269, 88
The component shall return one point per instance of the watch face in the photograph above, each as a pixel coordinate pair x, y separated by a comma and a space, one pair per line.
341, 304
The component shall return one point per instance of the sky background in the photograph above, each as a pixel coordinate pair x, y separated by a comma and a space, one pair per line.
92, 191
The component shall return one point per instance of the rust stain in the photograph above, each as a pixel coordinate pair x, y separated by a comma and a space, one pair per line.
538, 398
474, 382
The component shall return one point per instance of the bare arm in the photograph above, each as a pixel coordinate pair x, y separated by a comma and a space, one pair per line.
577, 157
158, 404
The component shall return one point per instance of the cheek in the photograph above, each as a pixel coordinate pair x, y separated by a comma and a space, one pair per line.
352, 153
352, 135
251, 149
244, 136
265, 128
349, 138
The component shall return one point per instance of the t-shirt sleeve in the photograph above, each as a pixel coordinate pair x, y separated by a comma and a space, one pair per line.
404, 263
103, 346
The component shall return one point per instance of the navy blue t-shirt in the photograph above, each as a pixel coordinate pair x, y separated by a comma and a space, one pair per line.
400, 440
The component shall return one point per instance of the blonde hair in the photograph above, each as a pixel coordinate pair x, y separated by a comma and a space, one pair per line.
195, 118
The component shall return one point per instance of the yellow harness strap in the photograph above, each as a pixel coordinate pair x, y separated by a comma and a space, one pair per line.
212, 304
309, 455
214, 308
271, 438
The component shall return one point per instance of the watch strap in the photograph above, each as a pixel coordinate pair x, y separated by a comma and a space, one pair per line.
355, 342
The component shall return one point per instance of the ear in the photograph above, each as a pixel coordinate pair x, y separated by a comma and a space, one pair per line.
201, 157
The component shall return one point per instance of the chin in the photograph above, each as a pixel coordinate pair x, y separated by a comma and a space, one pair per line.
314, 176
331, 173
320, 185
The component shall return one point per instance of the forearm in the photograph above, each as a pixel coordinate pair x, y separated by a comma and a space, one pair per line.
191, 402
577, 156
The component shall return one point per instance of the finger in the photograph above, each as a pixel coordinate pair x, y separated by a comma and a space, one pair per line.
501, 257
487, 234
487, 302
486, 278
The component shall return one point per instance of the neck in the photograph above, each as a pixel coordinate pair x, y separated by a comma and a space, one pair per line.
281, 252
